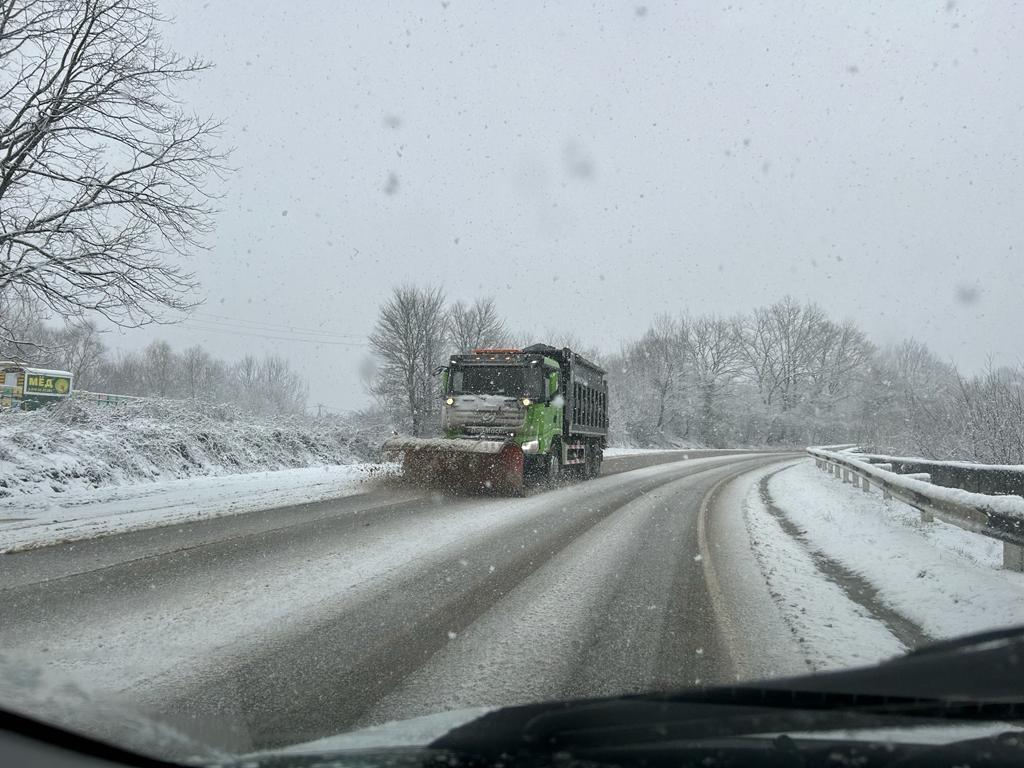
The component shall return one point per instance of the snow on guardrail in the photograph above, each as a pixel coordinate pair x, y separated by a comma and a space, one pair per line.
997, 517
988, 479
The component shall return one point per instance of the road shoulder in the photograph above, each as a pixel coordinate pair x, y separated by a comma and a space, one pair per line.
760, 641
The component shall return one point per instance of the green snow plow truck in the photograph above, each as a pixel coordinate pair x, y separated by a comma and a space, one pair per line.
509, 415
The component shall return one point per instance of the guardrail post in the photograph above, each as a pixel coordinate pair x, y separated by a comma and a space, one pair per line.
1013, 557
974, 515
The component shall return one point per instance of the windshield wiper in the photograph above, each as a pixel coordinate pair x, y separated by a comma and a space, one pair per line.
711, 714
969, 643
945, 685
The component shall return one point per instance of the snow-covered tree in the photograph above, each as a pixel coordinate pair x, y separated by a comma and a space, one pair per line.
410, 341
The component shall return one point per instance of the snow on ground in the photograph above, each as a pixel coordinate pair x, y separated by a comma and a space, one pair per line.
612, 452
831, 630
29, 522
948, 581
77, 470
75, 446
82, 470
161, 638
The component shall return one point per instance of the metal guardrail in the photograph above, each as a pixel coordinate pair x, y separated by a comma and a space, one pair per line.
997, 517
991, 480
13, 398
103, 398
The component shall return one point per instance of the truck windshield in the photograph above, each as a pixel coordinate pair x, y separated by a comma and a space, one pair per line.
509, 380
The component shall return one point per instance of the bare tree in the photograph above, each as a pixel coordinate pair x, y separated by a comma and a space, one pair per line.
246, 372
985, 420
279, 389
476, 325
22, 327
160, 369
716, 359
663, 349
102, 171
195, 368
840, 353
78, 348
410, 339
647, 379
781, 344
124, 375
777, 345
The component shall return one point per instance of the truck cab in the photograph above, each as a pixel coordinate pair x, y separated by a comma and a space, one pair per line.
504, 394
511, 414
549, 401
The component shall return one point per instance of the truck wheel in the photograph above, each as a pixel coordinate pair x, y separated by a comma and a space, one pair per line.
595, 462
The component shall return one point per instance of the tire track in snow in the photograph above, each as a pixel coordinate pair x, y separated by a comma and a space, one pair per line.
328, 675
858, 589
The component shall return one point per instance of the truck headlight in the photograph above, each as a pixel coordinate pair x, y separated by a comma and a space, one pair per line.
450, 401
531, 446
526, 401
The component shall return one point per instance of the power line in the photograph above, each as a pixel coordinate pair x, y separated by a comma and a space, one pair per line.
213, 319
198, 326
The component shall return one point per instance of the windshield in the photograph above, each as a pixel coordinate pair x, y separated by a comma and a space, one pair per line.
514, 381
263, 480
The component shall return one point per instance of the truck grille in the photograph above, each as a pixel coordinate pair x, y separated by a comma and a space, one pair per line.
485, 414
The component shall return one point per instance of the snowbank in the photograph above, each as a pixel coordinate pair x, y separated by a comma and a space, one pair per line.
832, 630
77, 446
948, 581
612, 452
27, 523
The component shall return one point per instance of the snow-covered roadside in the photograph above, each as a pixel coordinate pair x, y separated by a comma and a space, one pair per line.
26, 523
613, 452
77, 446
45, 518
163, 638
831, 630
948, 581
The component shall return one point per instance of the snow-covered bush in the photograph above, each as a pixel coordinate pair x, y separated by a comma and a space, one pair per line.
81, 444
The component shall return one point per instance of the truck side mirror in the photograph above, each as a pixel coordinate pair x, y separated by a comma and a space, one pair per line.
552, 385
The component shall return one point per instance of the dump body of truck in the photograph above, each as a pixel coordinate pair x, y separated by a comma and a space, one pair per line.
583, 389
513, 414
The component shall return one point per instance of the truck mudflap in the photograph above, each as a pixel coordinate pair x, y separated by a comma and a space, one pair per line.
460, 464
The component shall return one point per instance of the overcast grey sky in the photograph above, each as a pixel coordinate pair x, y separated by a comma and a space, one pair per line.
595, 164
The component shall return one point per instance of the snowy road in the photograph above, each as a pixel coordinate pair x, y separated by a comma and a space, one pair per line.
301, 622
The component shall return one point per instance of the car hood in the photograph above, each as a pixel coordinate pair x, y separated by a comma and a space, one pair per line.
968, 687
414, 732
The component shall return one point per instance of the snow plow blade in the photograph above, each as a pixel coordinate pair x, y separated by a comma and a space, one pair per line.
460, 464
